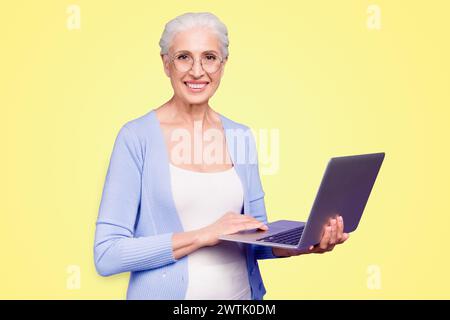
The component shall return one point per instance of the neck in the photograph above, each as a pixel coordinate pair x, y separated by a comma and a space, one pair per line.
188, 112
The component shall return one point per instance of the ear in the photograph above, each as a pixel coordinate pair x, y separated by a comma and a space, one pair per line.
223, 66
166, 62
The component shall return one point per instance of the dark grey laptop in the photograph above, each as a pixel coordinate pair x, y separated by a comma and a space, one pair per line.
344, 190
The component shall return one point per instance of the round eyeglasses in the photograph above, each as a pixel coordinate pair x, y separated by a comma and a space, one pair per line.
184, 62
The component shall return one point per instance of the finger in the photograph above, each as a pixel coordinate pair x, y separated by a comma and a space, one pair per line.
247, 218
259, 224
324, 231
254, 225
340, 229
326, 238
245, 215
333, 232
343, 226
316, 249
345, 237
246, 222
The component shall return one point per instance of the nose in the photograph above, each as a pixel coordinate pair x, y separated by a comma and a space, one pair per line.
197, 68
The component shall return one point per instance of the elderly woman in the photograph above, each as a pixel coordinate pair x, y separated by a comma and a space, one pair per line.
164, 205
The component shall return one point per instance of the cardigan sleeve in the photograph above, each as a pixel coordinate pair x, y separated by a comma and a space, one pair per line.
256, 198
116, 250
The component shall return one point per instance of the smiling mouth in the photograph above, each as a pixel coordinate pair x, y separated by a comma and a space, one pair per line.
196, 87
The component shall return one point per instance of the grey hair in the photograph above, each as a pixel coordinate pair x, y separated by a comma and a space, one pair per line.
190, 20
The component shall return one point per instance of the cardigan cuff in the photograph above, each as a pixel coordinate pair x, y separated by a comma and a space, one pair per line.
264, 252
147, 252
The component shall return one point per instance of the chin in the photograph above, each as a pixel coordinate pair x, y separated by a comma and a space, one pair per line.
196, 100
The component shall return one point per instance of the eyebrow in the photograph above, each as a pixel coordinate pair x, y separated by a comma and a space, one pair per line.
187, 51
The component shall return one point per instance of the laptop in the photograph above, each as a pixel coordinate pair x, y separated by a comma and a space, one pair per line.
344, 190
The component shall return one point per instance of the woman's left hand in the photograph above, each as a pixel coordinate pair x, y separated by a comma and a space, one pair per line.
333, 234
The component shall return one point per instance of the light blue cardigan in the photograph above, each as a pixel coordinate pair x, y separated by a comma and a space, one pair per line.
137, 214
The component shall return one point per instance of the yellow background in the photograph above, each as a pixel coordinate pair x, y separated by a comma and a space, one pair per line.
312, 69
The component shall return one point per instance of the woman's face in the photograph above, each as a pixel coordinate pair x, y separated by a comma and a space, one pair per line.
197, 43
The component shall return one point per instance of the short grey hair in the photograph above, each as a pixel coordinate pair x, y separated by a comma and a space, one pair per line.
191, 20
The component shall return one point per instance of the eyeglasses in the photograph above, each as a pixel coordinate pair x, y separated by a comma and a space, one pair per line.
184, 62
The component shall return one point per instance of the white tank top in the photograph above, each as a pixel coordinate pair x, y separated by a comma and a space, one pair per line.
220, 271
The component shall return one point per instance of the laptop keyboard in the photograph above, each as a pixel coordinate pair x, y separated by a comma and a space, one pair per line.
291, 237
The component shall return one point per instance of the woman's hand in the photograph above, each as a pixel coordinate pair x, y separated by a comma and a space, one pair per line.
333, 234
229, 223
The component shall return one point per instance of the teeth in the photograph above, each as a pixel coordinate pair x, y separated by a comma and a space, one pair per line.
195, 86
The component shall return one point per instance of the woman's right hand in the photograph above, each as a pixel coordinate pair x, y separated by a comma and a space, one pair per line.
229, 223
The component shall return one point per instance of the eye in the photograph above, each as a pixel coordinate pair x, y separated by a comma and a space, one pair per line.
211, 57
182, 57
